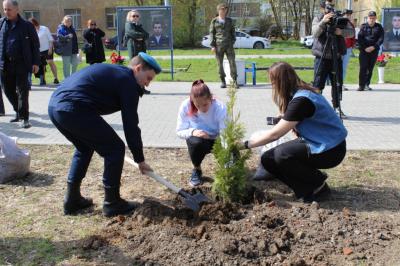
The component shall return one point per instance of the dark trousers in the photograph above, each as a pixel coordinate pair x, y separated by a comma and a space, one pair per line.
198, 149
323, 69
367, 63
292, 163
14, 79
88, 132
2, 110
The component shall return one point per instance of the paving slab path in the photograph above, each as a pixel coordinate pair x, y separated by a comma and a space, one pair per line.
373, 116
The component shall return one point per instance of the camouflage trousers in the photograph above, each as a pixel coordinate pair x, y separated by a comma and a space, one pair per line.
230, 54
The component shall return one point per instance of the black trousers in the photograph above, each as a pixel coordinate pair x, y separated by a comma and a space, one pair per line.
89, 132
2, 110
367, 63
292, 163
198, 149
14, 79
324, 68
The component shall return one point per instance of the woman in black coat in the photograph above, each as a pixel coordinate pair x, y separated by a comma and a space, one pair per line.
94, 44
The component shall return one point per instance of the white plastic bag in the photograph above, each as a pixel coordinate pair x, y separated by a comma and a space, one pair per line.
14, 162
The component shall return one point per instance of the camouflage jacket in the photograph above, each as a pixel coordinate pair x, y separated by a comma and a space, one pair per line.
222, 34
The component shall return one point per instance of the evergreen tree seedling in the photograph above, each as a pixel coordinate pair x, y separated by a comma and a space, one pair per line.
230, 177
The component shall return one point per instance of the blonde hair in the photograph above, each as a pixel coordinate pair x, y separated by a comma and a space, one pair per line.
128, 15
65, 18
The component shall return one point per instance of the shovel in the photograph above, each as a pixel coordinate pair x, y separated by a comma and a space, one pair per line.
191, 201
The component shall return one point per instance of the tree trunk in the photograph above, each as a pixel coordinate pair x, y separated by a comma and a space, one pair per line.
192, 22
274, 6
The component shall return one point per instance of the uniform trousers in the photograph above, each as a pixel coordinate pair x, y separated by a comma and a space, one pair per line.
220, 51
89, 132
367, 63
14, 79
198, 149
294, 165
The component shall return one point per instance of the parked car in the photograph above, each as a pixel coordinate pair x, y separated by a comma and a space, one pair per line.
243, 40
307, 41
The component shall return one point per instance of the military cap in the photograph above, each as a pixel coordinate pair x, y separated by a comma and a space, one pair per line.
371, 14
151, 62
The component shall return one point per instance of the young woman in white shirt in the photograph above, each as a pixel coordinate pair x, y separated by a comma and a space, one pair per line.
201, 118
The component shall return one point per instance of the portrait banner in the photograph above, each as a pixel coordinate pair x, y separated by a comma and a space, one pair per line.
156, 22
391, 24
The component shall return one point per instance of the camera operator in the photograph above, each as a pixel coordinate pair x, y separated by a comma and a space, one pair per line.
370, 38
321, 142
323, 52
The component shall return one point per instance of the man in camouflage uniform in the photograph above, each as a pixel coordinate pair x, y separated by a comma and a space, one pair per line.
222, 34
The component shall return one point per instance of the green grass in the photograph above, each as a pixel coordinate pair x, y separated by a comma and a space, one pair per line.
207, 69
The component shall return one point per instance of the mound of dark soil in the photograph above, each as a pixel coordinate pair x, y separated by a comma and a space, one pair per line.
274, 232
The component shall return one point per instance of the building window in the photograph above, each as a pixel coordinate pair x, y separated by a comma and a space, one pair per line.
32, 14
76, 17
111, 18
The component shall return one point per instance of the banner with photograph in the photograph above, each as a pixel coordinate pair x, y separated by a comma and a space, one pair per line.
155, 20
391, 24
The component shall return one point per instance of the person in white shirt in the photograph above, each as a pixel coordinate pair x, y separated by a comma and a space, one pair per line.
200, 120
46, 51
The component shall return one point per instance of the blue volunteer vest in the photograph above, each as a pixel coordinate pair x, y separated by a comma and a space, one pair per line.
324, 130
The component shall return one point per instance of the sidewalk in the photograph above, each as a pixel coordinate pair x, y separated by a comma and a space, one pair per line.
373, 123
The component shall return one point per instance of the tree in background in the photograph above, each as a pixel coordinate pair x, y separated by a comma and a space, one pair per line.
289, 14
230, 182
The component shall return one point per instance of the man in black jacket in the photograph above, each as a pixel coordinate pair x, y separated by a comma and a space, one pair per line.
323, 52
19, 48
370, 38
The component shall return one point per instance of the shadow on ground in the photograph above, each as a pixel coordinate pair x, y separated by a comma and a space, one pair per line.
42, 251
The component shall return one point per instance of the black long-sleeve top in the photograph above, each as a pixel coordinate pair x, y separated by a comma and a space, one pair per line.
370, 36
105, 89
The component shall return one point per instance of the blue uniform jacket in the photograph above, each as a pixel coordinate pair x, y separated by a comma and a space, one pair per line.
105, 89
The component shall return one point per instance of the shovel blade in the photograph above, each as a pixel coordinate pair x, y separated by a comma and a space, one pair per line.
194, 201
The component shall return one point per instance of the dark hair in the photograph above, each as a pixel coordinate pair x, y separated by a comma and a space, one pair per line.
199, 89
34, 22
156, 23
285, 83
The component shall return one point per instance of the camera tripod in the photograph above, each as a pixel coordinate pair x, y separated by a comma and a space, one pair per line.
331, 43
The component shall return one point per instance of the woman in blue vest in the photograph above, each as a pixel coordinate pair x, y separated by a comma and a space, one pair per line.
321, 135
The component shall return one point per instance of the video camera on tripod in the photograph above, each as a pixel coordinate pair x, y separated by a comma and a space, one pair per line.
337, 21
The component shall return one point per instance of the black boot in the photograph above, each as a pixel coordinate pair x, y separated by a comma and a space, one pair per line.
16, 119
114, 205
74, 201
223, 83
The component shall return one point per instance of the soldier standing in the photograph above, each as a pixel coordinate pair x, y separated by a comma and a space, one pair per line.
222, 33
370, 39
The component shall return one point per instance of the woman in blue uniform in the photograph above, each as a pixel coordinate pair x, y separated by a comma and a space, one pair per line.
321, 135
76, 108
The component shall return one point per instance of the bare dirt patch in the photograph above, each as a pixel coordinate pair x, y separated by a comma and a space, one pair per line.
359, 225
